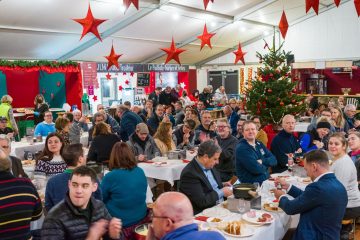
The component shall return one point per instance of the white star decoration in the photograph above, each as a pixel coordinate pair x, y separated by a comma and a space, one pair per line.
182, 85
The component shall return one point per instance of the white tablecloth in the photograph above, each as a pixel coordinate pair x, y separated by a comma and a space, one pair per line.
18, 148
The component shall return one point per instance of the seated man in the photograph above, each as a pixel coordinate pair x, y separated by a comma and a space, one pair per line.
45, 127
200, 182
321, 205
57, 186
16, 166
19, 203
72, 217
184, 136
284, 143
5, 129
206, 130
142, 144
253, 159
172, 218
80, 120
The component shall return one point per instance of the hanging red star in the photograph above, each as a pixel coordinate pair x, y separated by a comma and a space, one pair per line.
206, 2
337, 2
113, 58
132, 74
58, 84
124, 73
90, 24
173, 52
205, 38
95, 98
108, 76
357, 6
120, 88
283, 25
127, 82
313, 4
127, 3
239, 55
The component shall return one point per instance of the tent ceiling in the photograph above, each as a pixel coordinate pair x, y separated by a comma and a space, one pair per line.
43, 29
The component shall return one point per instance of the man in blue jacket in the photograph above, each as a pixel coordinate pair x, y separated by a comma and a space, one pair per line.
252, 158
173, 219
321, 205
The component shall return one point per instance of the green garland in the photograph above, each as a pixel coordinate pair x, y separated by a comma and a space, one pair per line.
40, 63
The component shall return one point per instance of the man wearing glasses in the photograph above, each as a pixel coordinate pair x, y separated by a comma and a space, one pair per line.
172, 218
45, 127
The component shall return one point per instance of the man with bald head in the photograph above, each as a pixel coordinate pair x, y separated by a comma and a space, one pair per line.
173, 219
232, 118
284, 143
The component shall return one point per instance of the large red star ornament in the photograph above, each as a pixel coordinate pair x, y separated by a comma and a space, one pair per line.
205, 38
337, 2
95, 98
173, 52
239, 55
357, 6
113, 58
283, 25
312, 4
206, 2
108, 76
90, 24
128, 2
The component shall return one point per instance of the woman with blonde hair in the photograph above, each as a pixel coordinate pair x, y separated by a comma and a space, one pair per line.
163, 138
7, 112
338, 120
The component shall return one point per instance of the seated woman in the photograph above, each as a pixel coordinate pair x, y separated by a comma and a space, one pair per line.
49, 162
183, 137
339, 121
354, 145
345, 171
102, 143
124, 189
62, 126
163, 138
317, 138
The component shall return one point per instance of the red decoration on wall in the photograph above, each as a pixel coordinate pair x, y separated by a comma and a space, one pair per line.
108, 76
283, 25
90, 24
357, 6
113, 58
58, 84
95, 98
313, 4
205, 38
128, 2
337, 2
127, 82
206, 2
173, 52
120, 88
239, 55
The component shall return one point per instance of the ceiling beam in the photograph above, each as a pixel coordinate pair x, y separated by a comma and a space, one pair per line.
120, 25
297, 21
236, 18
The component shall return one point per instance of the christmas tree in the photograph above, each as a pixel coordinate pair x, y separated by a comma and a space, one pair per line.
273, 94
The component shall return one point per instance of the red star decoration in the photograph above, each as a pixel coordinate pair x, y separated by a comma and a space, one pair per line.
113, 58
357, 6
124, 73
90, 24
127, 82
132, 74
206, 2
239, 55
283, 25
205, 38
127, 3
108, 76
58, 84
313, 4
95, 98
173, 52
337, 2
120, 88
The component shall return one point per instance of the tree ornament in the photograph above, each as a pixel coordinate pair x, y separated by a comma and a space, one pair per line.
173, 52
127, 3
337, 2
239, 55
205, 38
269, 90
313, 4
281, 103
206, 2
283, 25
90, 24
113, 58
108, 76
357, 7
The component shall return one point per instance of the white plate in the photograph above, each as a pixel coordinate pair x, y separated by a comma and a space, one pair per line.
258, 215
218, 212
246, 231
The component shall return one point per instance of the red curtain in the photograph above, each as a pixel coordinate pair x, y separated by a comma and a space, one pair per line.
73, 83
22, 87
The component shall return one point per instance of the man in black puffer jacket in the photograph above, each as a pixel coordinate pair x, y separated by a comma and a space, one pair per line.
72, 218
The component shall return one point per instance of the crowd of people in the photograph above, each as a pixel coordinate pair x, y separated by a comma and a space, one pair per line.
79, 205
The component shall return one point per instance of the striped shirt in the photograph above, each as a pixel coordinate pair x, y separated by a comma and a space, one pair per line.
19, 204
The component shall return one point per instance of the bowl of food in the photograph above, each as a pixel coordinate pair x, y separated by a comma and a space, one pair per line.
242, 190
141, 231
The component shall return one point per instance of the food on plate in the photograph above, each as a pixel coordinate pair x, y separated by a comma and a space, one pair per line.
265, 217
216, 220
233, 228
271, 206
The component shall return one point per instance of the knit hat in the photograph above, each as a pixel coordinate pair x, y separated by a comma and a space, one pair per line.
323, 125
142, 128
